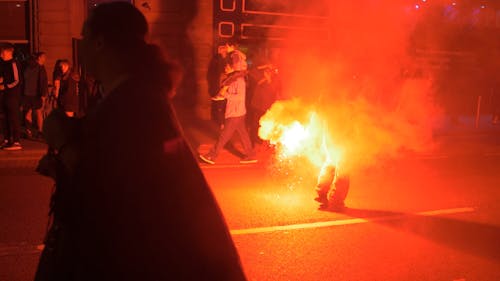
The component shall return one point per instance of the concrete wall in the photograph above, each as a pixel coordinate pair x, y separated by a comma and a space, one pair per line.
184, 30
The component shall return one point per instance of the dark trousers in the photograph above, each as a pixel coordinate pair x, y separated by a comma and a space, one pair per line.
332, 185
254, 125
218, 109
11, 122
231, 126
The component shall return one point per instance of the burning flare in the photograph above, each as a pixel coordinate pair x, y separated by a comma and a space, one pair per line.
298, 133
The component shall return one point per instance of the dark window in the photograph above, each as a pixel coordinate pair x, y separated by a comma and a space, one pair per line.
93, 3
14, 15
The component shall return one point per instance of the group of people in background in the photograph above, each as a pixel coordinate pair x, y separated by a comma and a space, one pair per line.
241, 93
27, 96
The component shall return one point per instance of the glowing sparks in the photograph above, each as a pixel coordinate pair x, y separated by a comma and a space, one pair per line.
297, 133
293, 136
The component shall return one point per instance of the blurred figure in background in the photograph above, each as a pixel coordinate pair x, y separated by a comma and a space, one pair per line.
265, 92
11, 96
215, 73
66, 88
34, 94
233, 88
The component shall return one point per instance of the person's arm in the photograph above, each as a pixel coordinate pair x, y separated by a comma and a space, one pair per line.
42, 83
15, 71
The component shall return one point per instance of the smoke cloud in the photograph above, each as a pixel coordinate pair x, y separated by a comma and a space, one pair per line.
356, 73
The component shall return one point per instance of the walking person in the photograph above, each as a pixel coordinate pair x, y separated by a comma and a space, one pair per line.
234, 90
35, 93
126, 212
66, 88
11, 96
214, 73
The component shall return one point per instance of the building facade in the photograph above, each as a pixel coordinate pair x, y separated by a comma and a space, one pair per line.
190, 30
182, 28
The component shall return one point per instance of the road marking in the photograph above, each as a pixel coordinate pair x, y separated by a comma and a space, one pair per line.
346, 221
223, 166
24, 248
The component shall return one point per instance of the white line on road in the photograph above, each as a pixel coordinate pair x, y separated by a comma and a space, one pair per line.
346, 221
26, 249
223, 166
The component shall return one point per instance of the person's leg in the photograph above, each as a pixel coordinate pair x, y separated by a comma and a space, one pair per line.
255, 116
225, 136
338, 192
39, 119
325, 180
243, 133
28, 119
13, 116
5, 121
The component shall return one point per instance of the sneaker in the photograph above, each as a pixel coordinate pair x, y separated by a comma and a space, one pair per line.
323, 201
5, 143
207, 158
29, 133
218, 98
248, 160
15, 146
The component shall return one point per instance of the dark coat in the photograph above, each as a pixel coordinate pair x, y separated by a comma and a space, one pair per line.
141, 207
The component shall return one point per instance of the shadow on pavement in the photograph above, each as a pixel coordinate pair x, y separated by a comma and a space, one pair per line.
469, 237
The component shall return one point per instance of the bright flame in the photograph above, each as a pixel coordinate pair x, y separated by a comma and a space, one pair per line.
298, 134
293, 136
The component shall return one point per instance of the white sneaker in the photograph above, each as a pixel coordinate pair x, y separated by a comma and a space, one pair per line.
12, 147
248, 160
5, 143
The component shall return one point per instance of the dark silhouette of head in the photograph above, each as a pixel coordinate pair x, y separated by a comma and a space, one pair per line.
114, 43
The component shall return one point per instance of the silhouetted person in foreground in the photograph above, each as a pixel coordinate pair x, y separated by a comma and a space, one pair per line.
130, 205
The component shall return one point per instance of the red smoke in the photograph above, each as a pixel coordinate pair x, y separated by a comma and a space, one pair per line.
355, 72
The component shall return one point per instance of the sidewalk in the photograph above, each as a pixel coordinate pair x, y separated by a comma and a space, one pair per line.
463, 137
26, 158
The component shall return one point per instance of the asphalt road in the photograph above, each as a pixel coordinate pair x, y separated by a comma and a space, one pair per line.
419, 217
